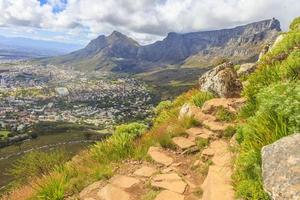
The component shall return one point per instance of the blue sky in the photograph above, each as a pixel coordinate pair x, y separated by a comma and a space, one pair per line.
78, 21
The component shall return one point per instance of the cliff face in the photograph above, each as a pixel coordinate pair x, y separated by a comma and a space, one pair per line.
118, 52
177, 47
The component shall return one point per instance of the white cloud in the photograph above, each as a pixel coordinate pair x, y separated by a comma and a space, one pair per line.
145, 20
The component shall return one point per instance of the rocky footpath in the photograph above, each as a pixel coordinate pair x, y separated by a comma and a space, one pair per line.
186, 173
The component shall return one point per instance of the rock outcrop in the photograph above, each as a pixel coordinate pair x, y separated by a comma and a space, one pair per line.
281, 168
246, 69
221, 81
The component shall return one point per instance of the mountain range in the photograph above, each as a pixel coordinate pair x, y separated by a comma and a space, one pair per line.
24, 48
120, 53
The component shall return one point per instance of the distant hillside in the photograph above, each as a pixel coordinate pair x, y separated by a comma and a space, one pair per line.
117, 52
22, 48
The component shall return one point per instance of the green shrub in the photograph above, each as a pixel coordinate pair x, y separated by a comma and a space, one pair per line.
295, 25
119, 145
54, 189
229, 131
224, 115
188, 122
290, 68
246, 188
201, 97
202, 143
277, 116
37, 164
103, 172
163, 105
166, 141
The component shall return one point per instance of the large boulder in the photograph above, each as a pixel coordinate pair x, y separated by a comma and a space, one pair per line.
222, 81
281, 168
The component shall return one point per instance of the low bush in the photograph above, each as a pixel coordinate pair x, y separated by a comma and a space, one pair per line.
229, 131
202, 143
224, 115
201, 97
295, 25
277, 116
54, 189
37, 164
119, 145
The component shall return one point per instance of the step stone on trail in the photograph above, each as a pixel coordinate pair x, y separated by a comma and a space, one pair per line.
124, 182
183, 143
159, 156
169, 195
217, 184
111, 192
197, 132
172, 182
216, 126
231, 104
90, 190
145, 171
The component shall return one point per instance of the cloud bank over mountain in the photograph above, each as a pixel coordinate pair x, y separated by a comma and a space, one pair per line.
144, 20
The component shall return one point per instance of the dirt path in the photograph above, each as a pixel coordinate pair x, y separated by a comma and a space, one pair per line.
187, 173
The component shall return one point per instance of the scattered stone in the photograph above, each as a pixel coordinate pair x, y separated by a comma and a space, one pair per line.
157, 155
110, 192
185, 111
145, 171
197, 132
171, 182
222, 81
123, 181
208, 152
191, 150
169, 195
183, 143
281, 168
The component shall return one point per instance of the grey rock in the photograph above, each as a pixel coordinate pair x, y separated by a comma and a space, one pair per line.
281, 168
222, 81
246, 69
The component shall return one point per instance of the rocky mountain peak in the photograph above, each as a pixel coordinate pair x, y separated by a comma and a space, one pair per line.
97, 44
242, 43
117, 37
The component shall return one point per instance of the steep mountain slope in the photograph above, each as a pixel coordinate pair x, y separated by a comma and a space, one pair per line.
101, 53
118, 52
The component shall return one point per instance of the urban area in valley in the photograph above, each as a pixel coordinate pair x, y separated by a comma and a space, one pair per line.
31, 95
